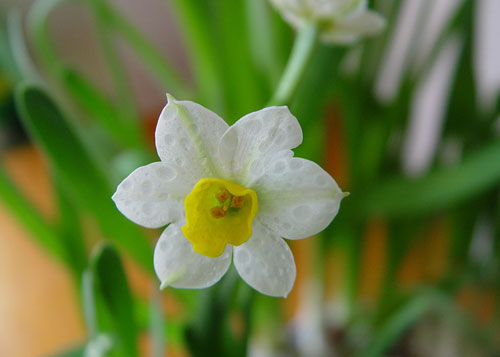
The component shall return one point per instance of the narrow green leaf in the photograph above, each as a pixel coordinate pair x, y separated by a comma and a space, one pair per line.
200, 39
122, 88
76, 170
160, 67
8, 67
78, 351
263, 39
95, 103
89, 305
112, 286
18, 48
396, 325
40, 36
243, 87
30, 218
208, 330
70, 231
439, 189
157, 324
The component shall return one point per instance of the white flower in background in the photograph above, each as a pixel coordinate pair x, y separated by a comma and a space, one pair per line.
228, 191
341, 21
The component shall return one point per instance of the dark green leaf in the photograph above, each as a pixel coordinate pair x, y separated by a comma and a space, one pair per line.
111, 285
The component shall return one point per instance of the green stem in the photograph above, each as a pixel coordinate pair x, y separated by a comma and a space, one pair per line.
302, 51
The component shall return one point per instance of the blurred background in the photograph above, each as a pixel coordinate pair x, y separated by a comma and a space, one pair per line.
406, 121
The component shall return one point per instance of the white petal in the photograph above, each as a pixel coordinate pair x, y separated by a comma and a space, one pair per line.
266, 263
153, 195
255, 137
187, 134
177, 265
297, 198
349, 29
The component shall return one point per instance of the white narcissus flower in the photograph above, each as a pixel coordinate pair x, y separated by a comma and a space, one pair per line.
341, 21
228, 192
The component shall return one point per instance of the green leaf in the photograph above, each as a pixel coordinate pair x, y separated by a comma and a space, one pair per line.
31, 219
99, 108
156, 324
200, 40
264, 40
8, 67
115, 66
243, 87
208, 331
70, 231
76, 170
18, 48
439, 189
89, 304
396, 325
161, 68
112, 287
78, 351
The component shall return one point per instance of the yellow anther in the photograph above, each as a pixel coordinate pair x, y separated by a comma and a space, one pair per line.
218, 212
237, 201
222, 195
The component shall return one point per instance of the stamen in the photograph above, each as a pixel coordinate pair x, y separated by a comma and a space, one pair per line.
222, 195
217, 212
237, 201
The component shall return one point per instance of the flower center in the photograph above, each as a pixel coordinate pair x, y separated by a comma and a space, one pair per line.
218, 212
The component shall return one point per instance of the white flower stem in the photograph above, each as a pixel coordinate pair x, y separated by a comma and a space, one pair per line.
299, 58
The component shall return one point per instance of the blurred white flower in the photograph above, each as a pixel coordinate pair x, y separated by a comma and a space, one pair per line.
226, 190
340, 21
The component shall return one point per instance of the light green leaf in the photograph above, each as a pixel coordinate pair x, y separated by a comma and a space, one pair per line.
439, 189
